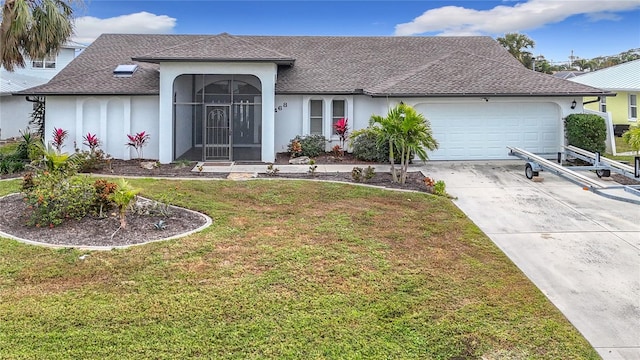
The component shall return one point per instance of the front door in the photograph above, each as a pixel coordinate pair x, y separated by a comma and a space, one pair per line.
217, 134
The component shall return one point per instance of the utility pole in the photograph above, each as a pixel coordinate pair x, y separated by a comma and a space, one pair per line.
571, 58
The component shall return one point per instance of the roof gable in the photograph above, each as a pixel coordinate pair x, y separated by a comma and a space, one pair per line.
223, 47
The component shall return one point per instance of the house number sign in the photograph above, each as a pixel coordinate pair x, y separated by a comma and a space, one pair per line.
279, 107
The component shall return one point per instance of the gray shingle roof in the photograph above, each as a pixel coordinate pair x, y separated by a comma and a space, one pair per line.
379, 66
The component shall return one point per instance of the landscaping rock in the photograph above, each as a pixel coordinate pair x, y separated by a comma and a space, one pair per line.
302, 160
149, 165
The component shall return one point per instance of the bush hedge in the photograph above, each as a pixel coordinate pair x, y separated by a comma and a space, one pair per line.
586, 131
312, 145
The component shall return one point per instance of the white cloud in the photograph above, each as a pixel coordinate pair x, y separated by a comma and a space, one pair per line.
455, 20
88, 28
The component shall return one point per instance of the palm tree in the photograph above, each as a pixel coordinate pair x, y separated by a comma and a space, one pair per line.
408, 133
517, 44
35, 28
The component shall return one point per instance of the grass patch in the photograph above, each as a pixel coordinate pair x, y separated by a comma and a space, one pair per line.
7, 149
289, 269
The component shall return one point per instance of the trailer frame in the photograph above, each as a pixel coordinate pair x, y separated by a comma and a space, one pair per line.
601, 165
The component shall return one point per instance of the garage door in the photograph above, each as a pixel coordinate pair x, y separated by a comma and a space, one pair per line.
472, 131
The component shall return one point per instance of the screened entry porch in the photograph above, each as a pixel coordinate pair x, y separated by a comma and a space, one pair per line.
217, 118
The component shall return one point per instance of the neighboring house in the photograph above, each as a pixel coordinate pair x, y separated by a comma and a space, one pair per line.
567, 74
225, 97
623, 79
15, 111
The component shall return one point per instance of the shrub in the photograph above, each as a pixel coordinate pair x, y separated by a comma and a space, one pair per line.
310, 145
359, 174
52, 198
586, 131
632, 138
104, 190
10, 165
367, 147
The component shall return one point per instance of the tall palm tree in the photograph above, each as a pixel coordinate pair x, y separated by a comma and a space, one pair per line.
35, 28
409, 133
517, 44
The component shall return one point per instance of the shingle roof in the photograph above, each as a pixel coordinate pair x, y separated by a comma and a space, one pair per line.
622, 77
379, 66
223, 47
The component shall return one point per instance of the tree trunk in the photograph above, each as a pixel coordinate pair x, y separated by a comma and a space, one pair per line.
392, 161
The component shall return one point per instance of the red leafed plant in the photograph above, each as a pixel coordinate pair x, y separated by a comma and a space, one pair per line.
137, 141
342, 127
59, 135
91, 141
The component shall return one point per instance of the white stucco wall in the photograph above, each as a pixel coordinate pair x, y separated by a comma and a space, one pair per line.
169, 71
15, 113
111, 118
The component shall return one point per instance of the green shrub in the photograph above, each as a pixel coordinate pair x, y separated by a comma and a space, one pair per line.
586, 131
367, 147
54, 198
632, 138
10, 165
312, 145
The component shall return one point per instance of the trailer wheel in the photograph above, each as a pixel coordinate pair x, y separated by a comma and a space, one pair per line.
603, 173
528, 171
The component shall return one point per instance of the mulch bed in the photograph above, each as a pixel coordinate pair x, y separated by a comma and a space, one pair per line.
93, 230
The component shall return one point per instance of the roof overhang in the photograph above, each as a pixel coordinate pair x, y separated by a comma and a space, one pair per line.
158, 60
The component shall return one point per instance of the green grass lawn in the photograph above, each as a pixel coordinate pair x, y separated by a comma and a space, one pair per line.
7, 149
289, 269
621, 146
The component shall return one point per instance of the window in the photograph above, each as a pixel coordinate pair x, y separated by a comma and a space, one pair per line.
315, 117
603, 104
339, 112
633, 106
49, 62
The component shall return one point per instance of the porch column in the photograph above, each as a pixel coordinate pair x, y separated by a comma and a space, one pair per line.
165, 118
268, 116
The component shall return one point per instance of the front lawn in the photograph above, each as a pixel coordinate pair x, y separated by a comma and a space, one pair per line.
289, 269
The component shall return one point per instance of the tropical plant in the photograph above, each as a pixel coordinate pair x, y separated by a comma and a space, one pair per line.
632, 138
517, 45
407, 132
37, 115
122, 196
342, 128
59, 136
35, 28
91, 141
138, 141
312, 167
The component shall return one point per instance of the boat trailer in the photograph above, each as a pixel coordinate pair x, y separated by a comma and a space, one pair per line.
601, 165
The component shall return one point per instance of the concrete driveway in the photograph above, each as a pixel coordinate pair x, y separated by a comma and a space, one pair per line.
580, 249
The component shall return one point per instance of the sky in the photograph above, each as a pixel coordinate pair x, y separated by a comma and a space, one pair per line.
589, 28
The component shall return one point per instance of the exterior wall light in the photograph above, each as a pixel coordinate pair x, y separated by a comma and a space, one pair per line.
574, 104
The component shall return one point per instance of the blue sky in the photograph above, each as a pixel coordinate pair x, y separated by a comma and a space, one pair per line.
589, 28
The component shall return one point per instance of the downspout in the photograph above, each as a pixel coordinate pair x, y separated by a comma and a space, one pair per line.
592, 101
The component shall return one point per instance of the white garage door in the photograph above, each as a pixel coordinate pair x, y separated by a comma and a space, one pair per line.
472, 131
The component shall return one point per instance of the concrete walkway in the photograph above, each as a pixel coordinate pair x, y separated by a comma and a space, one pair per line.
580, 249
